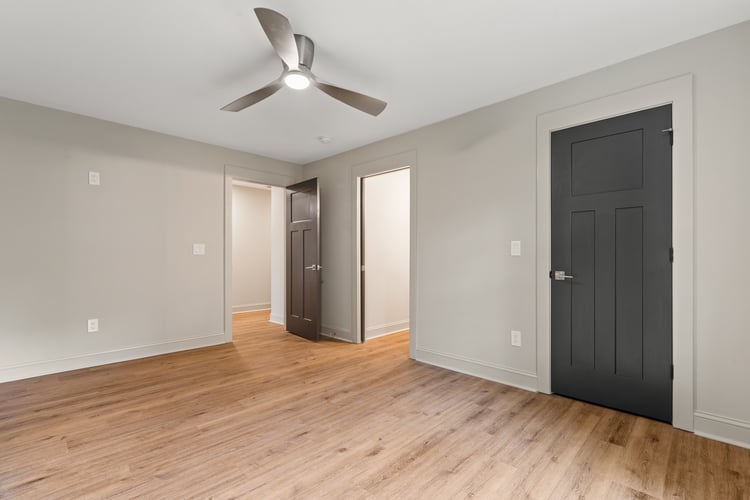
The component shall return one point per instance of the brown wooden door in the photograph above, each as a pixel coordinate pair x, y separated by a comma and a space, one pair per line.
303, 260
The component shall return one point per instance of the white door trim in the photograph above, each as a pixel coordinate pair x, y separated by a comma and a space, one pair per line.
678, 92
233, 172
394, 162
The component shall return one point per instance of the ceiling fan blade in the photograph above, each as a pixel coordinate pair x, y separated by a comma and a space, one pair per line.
254, 97
280, 34
368, 104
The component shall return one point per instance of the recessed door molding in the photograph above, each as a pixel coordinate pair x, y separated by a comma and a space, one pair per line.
678, 92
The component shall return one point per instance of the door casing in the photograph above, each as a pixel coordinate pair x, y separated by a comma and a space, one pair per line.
233, 172
383, 165
678, 92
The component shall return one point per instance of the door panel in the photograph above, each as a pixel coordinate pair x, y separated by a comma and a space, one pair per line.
303, 260
296, 273
582, 295
629, 292
611, 231
606, 164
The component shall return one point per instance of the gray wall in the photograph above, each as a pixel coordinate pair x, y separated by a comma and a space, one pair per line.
476, 191
120, 252
251, 248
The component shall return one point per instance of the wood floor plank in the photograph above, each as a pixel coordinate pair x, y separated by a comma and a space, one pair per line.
275, 416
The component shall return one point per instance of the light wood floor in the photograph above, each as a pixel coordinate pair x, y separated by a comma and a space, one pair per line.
275, 416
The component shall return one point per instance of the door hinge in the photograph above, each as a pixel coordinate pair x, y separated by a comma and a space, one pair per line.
671, 254
671, 372
670, 131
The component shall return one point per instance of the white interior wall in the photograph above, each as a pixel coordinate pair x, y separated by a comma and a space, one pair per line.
385, 203
278, 255
476, 191
251, 248
120, 252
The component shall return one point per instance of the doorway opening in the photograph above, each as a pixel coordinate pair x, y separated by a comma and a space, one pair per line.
257, 266
384, 253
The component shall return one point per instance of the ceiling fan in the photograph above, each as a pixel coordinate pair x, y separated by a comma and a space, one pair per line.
296, 53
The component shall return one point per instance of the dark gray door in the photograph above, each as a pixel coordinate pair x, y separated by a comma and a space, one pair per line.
611, 240
303, 260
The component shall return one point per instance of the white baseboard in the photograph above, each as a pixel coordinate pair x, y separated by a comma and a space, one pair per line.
277, 319
29, 370
724, 429
263, 306
337, 333
330, 336
376, 331
496, 373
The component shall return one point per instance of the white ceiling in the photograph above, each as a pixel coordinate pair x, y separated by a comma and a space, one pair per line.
169, 65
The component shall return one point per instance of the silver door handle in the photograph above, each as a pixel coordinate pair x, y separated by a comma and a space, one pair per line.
314, 267
561, 276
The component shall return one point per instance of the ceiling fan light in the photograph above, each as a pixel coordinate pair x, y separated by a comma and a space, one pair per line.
296, 80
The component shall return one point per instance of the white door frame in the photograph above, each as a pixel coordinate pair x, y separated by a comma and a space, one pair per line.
358, 172
678, 92
232, 173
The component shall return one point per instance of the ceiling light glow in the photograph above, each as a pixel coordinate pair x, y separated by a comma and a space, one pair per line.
296, 80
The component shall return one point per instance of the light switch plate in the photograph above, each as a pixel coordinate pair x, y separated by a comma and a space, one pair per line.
199, 249
94, 178
515, 338
93, 325
515, 248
